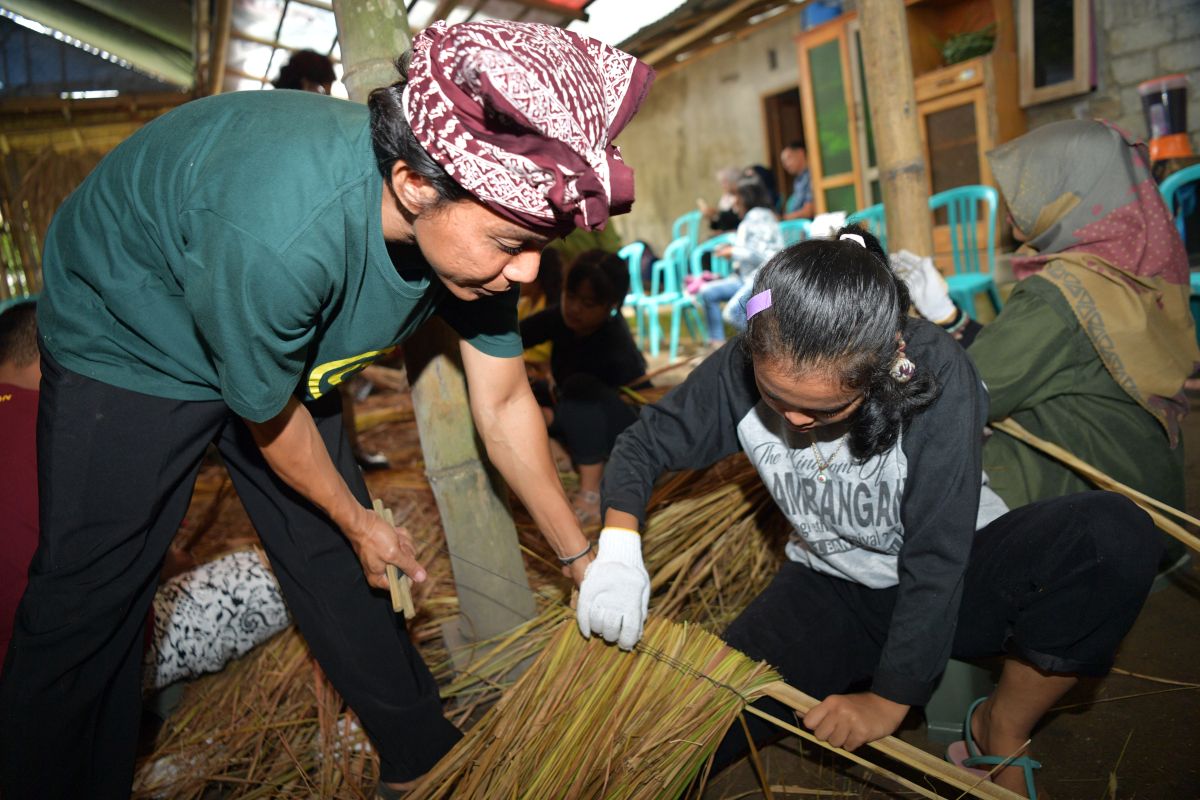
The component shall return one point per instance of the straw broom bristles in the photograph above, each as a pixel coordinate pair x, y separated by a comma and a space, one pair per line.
591, 721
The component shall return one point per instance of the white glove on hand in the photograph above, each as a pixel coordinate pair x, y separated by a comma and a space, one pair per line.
615, 591
926, 286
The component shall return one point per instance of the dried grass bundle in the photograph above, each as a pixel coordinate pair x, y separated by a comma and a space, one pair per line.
588, 720
271, 727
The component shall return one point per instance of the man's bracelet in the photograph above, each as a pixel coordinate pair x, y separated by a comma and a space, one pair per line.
569, 560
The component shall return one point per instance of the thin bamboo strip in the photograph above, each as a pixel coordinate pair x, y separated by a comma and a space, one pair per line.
1150, 505
891, 747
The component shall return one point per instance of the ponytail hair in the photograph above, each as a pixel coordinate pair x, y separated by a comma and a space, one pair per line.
837, 308
393, 139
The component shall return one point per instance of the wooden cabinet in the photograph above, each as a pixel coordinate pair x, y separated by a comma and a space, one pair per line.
964, 110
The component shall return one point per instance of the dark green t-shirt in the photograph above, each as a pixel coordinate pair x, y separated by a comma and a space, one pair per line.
233, 249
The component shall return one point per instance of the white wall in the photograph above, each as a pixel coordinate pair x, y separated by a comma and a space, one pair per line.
703, 116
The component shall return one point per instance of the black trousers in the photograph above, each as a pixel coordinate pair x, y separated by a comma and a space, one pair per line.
588, 418
116, 470
1057, 583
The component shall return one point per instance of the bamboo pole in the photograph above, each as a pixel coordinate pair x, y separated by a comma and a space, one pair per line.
489, 573
1155, 508
891, 93
220, 48
890, 746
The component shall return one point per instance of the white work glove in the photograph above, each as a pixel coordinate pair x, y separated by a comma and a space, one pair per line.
926, 286
615, 591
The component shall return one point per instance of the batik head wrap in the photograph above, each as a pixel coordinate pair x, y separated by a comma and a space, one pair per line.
1097, 229
523, 116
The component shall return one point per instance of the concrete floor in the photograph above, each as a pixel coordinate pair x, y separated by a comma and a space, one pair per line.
1116, 738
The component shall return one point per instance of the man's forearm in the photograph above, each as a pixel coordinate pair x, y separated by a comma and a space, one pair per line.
294, 450
515, 437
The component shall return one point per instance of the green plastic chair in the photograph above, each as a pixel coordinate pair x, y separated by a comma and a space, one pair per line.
795, 230
666, 289
875, 221
633, 254
963, 213
721, 265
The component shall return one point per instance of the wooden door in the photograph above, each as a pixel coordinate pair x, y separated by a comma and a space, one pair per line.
830, 122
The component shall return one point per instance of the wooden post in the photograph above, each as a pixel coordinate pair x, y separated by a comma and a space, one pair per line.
902, 168
493, 589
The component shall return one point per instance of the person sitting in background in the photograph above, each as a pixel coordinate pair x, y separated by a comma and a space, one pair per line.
799, 204
758, 238
724, 217
593, 356
544, 290
307, 71
1093, 346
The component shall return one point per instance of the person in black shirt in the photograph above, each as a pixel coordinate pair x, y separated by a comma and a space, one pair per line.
593, 356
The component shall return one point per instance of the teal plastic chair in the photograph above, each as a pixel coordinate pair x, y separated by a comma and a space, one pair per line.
721, 265
1175, 181
633, 254
1179, 208
666, 289
795, 230
874, 220
688, 227
963, 213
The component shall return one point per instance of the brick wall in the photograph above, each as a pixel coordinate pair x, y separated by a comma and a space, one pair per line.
1135, 41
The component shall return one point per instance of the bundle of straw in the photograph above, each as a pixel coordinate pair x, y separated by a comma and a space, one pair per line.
588, 720
271, 728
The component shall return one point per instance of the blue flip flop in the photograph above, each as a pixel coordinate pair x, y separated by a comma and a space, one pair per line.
966, 754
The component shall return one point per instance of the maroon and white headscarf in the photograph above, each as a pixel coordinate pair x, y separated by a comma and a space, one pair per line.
523, 116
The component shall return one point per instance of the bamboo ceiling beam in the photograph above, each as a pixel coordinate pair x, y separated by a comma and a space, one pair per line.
220, 49
677, 43
902, 170
739, 35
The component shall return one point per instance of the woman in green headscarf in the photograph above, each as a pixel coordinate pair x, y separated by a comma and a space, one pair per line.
1092, 348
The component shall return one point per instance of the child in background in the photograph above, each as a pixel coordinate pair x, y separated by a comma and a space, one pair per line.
593, 355
544, 291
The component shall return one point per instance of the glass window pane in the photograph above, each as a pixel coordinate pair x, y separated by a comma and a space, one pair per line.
305, 26
1053, 41
257, 18
829, 102
249, 57
840, 199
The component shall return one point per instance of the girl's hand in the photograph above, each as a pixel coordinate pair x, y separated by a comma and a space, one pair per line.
851, 720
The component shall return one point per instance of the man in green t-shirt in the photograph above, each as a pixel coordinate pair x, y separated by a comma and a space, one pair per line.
239, 258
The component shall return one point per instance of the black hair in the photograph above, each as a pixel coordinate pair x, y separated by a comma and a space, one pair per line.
18, 334
838, 307
607, 274
305, 64
393, 139
796, 144
753, 193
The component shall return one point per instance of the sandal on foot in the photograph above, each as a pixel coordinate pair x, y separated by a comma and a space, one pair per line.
966, 755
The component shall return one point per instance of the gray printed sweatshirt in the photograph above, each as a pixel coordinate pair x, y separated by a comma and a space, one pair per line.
902, 518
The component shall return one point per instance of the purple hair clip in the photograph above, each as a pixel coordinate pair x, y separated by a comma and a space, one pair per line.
760, 302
